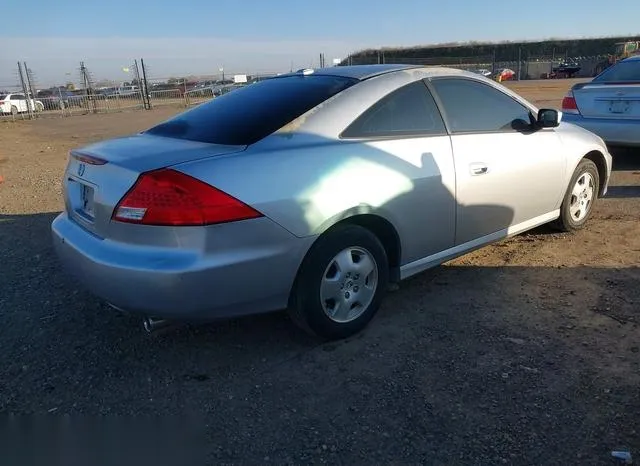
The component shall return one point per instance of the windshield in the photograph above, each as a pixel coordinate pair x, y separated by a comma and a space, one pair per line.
624, 71
250, 113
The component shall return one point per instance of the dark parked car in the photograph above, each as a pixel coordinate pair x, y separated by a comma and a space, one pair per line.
58, 99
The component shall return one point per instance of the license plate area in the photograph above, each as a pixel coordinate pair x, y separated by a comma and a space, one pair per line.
86, 199
619, 107
82, 198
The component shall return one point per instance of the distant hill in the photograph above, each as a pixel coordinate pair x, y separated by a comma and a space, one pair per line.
504, 51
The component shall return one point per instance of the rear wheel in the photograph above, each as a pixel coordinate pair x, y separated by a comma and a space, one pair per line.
580, 196
341, 283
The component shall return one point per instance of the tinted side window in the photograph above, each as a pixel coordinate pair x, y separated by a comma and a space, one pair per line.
471, 106
409, 110
17, 97
625, 71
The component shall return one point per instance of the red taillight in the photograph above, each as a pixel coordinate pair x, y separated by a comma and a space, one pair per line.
569, 104
168, 197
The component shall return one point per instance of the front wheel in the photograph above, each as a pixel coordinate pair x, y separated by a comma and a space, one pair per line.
580, 196
341, 283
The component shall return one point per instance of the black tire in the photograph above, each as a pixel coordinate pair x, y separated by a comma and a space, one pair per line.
305, 305
567, 222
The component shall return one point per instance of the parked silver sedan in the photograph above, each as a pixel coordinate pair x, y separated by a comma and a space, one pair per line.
316, 190
609, 105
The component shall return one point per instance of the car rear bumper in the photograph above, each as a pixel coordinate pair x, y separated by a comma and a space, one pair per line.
186, 284
613, 132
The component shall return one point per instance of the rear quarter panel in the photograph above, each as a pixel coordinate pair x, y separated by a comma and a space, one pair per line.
310, 186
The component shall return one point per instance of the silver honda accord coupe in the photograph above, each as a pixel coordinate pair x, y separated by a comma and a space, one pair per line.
609, 105
316, 191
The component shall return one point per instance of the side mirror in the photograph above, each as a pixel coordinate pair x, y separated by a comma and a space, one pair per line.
548, 118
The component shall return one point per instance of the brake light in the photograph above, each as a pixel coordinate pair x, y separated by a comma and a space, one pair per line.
168, 197
569, 104
90, 159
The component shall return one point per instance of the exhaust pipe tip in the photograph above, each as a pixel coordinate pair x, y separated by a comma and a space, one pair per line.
152, 324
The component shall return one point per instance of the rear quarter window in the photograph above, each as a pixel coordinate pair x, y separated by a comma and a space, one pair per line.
249, 114
625, 71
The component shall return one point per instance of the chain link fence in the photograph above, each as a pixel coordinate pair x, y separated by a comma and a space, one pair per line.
143, 92
146, 91
531, 67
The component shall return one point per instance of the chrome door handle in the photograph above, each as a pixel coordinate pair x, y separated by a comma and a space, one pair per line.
478, 169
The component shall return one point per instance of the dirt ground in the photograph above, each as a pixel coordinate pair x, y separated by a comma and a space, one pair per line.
525, 352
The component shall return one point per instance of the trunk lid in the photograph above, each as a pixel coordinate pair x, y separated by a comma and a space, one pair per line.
611, 100
99, 175
143, 152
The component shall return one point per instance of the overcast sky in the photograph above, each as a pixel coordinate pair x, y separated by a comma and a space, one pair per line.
200, 36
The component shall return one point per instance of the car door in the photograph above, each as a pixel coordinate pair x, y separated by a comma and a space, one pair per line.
407, 125
508, 173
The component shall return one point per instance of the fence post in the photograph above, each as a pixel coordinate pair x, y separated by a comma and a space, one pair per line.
185, 95
519, 62
61, 104
493, 63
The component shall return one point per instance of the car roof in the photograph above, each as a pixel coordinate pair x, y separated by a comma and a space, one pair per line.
363, 72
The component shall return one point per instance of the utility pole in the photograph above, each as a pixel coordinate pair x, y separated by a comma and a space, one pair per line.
141, 91
146, 97
32, 94
25, 90
88, 87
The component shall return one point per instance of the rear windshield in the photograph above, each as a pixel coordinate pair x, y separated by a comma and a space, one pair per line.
2, 96
246, 115
625, 71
